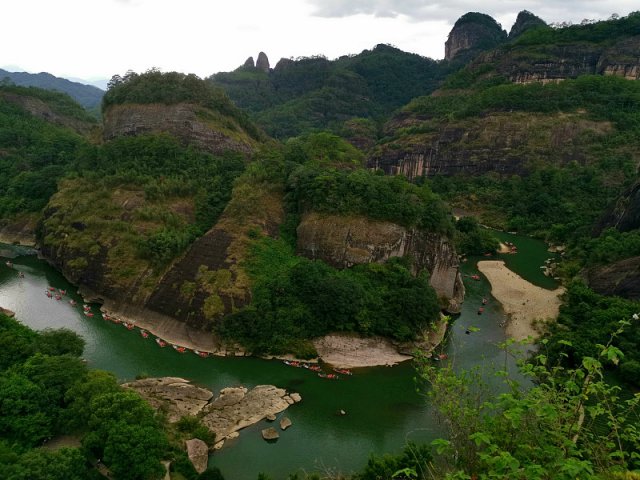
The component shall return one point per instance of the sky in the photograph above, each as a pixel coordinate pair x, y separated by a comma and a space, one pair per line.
95, 39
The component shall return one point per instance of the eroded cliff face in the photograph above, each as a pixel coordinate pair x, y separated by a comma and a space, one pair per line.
192, 124
621, 278
41, 110
208, 281
473, 31
498, 142
554, 63
624, 214
346, 241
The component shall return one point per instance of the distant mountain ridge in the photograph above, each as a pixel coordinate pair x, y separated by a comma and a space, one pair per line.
86, 95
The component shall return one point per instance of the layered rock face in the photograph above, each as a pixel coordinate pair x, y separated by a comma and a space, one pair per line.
473, 31
234, 409
624, 215
41, 110
525, 21
347, 241
554, 63
499, 142
192, 124
621, 278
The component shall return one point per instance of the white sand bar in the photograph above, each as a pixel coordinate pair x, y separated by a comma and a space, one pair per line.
521, 300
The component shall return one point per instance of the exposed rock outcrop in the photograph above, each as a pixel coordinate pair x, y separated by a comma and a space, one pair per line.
190, 123
496, 142
41, 110
270, 434
557, 62
624, 214
249, 63
235, 408
620, 278
525, 21
7, 312
345, 241
473, 32
285, 423
177, 396
198, 453
262, 63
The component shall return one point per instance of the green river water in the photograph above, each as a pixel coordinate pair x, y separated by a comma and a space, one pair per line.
384, 410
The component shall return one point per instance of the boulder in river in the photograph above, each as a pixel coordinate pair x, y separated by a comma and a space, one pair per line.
270, 434
285, 423
198, 453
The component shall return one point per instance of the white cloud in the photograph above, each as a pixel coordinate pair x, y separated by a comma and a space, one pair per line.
99, 38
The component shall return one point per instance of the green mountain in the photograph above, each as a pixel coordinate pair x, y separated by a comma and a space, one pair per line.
181, 208
88, 96
315, 93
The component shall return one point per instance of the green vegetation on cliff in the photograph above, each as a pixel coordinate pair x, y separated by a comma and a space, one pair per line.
555, 196
295, 299
312, 94
146, 199
34, 154
170, 88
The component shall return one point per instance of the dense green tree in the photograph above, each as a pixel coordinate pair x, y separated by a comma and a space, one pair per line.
61, 341
133, 451
40, 464
24, 410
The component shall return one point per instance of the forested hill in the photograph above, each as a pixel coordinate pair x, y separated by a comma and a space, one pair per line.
317, 93
86, 95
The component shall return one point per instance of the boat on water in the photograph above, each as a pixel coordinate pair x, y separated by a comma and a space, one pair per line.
73, 303
161, 342
480, 310
475, 277
52, 289
201, 354
312, 367
179, 349
293, 363
62, 292
343, 371
48, 294
330, 376
144, 334
9, 263
88, 314
128, 325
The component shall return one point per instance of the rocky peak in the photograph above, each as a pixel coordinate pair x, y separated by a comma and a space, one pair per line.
263, 62
525, 21
249, 63
472, 32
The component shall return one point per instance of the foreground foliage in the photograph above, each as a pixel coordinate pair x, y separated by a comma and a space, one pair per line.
569, 423
47, 391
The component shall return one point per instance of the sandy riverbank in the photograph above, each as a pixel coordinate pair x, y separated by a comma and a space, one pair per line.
522, 301
350, 351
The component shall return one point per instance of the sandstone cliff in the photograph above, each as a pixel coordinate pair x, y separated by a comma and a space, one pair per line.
621, 278
624, 214
42, 110
556, 62
525, 21
501, 142
471, 33
347, 241
192, 124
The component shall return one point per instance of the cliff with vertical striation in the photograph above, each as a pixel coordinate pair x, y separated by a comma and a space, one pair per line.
346, 241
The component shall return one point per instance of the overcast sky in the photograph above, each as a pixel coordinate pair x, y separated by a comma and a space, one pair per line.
98, 38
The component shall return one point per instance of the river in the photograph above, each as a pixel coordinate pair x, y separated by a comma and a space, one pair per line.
383, 409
